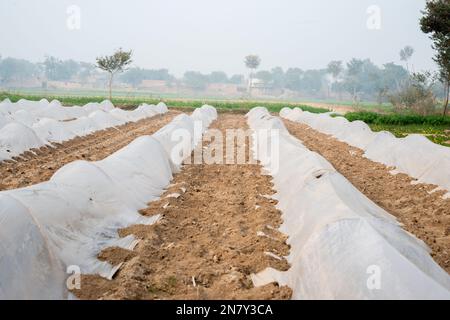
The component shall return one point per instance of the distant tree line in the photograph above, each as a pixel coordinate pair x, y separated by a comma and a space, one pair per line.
53, 69
200, 81
358, 79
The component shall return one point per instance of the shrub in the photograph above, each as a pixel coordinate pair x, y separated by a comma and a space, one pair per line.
416, 95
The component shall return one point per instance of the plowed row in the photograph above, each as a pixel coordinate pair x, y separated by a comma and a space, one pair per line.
39, 165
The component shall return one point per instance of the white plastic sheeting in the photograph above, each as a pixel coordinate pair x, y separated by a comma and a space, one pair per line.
15, 138
343, 246
183, 132
67, 221
31, 124
414, 155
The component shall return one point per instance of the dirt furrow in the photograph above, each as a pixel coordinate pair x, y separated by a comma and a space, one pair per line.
208, 241
39, 165
424, 214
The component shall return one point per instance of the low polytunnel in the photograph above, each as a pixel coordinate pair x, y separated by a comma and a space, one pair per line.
401, 153
25, 125
343, 246
68, 220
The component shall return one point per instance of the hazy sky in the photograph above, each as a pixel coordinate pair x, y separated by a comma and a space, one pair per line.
208, 35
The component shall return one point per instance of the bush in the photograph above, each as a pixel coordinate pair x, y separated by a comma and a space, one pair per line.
416, 100
416, 96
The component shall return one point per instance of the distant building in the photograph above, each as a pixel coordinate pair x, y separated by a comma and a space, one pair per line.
261, 88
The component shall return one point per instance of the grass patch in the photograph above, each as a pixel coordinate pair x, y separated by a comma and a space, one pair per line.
434, 127
129, 102
172, 281
439, 134
398, 119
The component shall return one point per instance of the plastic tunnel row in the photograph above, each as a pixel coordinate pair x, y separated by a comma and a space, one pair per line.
343, 246
69, 219
427, 165
25, 125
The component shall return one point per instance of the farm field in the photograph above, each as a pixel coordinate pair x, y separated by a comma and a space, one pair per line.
38, 165
422, 213
224, 159
434, 127
206, 245
132, 102
437, 133
146, 213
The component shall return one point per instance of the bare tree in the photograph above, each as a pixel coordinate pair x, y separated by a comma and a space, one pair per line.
252, 62
114, 64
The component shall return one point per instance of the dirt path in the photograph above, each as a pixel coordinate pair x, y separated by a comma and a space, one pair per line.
30, 168
331, 106
207, 242
425, 215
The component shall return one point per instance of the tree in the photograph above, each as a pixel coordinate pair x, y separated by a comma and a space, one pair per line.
381, 86
405, 54
86, 70
252, 62
16, 69
133, 76
195, 80
264, 76
394, 75
237, 79
436, 22
114, 64
218, 77
312, 81
278, 79
352, 81
59, 70
293, 77
335, 68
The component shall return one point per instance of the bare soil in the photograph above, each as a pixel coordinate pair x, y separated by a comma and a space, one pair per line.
424, 214
331, 106
207, 242
38, 165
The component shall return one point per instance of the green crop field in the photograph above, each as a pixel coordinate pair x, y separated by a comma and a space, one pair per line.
434, 127
129, 102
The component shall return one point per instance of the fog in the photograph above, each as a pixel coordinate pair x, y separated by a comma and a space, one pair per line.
215, 35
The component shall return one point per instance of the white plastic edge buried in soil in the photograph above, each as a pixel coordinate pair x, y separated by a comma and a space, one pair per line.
68, 220
343, 246
25, 125
414, 155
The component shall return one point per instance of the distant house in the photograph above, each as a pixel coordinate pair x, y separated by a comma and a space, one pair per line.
262, 88
260, 84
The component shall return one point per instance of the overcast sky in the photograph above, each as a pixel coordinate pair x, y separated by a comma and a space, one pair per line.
208, 35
